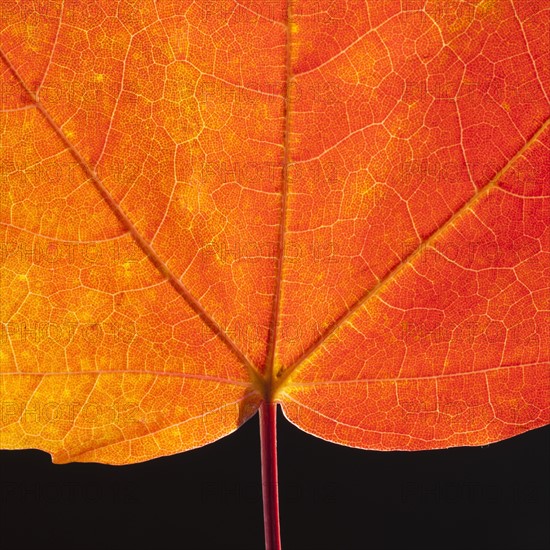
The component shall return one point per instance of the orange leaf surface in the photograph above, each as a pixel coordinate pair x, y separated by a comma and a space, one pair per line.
341, 207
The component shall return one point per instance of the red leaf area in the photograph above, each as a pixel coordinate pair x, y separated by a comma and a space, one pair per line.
341, 207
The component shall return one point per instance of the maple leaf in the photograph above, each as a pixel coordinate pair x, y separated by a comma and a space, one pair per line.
212, 208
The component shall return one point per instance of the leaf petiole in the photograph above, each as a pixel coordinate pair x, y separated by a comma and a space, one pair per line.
270, 488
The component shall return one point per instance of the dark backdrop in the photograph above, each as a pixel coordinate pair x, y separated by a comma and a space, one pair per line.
332, 497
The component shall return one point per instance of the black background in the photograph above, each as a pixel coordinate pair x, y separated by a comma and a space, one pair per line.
332, 497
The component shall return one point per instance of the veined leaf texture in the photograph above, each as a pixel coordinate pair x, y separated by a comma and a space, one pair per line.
341, 207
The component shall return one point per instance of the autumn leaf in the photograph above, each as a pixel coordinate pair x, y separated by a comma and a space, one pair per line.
211, 207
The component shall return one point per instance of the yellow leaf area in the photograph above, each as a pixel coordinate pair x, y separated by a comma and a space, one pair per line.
342, 207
